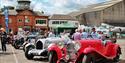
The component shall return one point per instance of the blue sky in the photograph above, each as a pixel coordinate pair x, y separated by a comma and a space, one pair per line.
55, 6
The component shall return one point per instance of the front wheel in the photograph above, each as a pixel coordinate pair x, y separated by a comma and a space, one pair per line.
53, 57
29, 56
117, 58
85, 59
16, 46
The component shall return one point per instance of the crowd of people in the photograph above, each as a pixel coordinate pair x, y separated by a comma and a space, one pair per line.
82, 34
78, 35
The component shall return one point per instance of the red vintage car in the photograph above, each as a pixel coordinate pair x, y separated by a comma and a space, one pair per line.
84, 51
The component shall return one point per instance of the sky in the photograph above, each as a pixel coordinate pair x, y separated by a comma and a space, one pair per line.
55, 6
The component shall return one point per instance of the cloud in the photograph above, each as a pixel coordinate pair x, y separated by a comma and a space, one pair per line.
57, 6
8, 3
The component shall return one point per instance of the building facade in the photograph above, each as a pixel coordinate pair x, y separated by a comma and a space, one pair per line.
112, 12
60, 23
115, 14
25, 18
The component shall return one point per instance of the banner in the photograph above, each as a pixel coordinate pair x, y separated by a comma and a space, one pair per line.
6, 18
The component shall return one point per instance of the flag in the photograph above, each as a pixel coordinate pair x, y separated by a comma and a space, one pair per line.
6, 17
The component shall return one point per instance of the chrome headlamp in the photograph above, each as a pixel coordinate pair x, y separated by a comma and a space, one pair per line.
61, 44
77, 45
47, 43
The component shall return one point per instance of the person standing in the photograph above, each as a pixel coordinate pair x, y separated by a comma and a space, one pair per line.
101, 36
94, 34
77, 35
51, 34
45, 33
84, 34
3, 39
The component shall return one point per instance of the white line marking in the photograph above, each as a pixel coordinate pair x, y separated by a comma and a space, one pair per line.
16, 60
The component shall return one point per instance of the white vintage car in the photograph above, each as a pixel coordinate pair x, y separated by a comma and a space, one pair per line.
40, 48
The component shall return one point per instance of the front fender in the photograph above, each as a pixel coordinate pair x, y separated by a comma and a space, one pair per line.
28, 45
55, 48
88, 50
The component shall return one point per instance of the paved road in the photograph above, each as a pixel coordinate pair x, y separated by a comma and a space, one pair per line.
121, 42
17, 56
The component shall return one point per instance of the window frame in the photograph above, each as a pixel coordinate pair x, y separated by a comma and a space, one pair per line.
41, 21
20, 20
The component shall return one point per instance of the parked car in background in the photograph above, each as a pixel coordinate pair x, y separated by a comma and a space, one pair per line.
19, 39
29, 39
84, 51
18, 43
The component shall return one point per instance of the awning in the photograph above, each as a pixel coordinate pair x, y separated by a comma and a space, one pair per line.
66, 25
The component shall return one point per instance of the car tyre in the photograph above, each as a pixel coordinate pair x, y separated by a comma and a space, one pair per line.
117, 58
85, 59
29, 56
52, 57
16, 46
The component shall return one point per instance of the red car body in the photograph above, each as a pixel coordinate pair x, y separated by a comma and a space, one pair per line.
96, 48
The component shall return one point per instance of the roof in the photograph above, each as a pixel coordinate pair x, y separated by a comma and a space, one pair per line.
95, 7
23, 0
11, 12
39, 13
14, 12
62, 17
66, 25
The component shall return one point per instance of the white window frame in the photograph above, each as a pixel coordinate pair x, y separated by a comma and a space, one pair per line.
40, 24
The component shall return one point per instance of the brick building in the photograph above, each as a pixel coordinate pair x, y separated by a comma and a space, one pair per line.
24, 17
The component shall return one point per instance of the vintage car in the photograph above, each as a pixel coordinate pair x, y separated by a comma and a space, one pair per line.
40, 48
84, 51
29, 39
18, 43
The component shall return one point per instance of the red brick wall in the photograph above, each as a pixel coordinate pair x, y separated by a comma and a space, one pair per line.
31, 19
41, 17
22, 15
25, 12
3, 21
18, 17
0, 20
13, 24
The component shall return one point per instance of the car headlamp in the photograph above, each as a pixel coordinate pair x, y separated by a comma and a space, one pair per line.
47, 43
77, 45
61, 44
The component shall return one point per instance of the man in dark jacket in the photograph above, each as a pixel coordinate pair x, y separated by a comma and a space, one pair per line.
3, 39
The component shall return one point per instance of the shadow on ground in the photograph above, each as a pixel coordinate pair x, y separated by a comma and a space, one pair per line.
122, 61
6, 53
41, 59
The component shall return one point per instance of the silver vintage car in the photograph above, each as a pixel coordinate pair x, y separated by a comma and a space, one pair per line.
40, 48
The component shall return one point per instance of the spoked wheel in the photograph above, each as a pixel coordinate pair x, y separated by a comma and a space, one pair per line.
53, 57
85, 59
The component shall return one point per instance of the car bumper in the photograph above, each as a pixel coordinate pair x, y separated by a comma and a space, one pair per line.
37, 52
